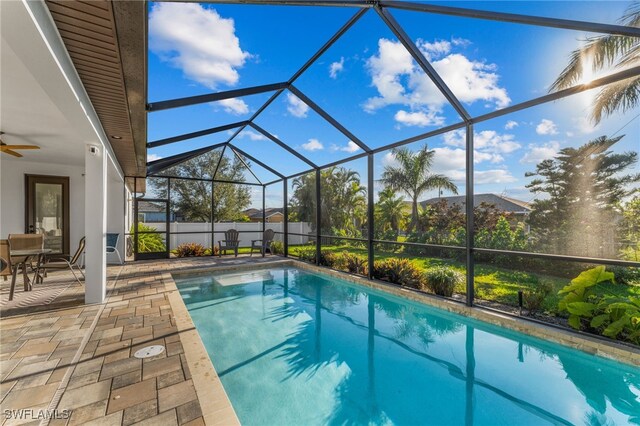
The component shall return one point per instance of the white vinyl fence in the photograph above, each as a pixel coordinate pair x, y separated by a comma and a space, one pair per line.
248, 231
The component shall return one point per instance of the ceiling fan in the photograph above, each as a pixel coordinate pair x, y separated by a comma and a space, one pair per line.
10, 149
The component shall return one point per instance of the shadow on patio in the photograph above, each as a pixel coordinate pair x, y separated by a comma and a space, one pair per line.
59, 290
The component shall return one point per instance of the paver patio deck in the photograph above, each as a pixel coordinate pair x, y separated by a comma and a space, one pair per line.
79, 360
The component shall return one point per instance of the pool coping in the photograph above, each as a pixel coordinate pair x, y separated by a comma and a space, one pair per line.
214, 402
209, 388
581, 341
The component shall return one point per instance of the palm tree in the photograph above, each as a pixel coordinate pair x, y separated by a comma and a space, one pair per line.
612, 50
390, 210
343, 197
412, 176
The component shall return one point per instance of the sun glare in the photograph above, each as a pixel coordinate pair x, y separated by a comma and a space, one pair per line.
588, 75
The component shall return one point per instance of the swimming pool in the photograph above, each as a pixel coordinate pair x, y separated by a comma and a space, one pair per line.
294, 347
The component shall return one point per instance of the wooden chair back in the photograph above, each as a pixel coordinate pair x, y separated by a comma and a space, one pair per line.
232, 238
5, 254
26, 241
268, 236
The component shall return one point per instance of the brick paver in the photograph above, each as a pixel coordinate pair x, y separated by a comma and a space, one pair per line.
69, 359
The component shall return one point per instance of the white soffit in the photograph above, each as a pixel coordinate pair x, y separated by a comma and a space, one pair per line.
37, 104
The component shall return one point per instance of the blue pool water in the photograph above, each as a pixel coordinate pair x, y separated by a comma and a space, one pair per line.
294, 347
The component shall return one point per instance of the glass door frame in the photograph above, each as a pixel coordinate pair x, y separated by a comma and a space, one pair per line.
30, 182
151, 255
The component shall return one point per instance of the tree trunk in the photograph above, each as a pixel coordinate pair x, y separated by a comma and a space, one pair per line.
414, 214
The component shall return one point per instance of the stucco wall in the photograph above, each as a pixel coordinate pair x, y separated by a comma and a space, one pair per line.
12, 198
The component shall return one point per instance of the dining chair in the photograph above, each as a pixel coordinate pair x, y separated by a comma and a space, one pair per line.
62, 263
112, 245
5, 255
26, 241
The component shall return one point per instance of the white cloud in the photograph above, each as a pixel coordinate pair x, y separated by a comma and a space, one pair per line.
391, 62
418, 118
198, 41
584, 125
399, 81
153, 157
233, 106
511, 124
493, 176
479, 157
389, 160
448, 158
336, 67
537, 153
313, 145
350, 147
435, 49
471, 80
495, 142
296, 107
254, 136
485, 141
460, 41
451, 162
546, 127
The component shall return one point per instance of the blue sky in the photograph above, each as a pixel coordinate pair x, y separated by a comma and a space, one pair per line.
370, 84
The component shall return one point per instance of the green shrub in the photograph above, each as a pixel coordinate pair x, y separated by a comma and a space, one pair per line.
189, 250
212, 251
626, 275
351, 263
277, 247
533, 299
327, 259
442, 280
399, 271
389, 235
614, 317
148, 243
306, 253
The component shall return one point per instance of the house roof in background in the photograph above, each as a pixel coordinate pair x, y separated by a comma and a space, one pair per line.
257, 213
500, 202
149, 207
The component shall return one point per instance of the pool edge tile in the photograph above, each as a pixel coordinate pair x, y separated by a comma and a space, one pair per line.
575, 340
205, 378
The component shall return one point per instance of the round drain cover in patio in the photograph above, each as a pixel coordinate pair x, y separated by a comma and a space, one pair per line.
149, 351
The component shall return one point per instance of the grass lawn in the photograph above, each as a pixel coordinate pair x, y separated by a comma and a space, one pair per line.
494, 283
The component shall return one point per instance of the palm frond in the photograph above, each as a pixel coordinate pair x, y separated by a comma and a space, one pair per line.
624, 95
437, 182
604, 51
571, 74
631, 17
630, 58
600, 51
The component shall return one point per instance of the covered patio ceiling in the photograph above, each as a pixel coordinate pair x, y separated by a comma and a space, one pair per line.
106, 43
384, 11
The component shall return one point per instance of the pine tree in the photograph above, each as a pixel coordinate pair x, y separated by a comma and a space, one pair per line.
584, 188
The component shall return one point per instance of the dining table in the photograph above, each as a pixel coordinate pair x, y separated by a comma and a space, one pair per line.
20, 258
